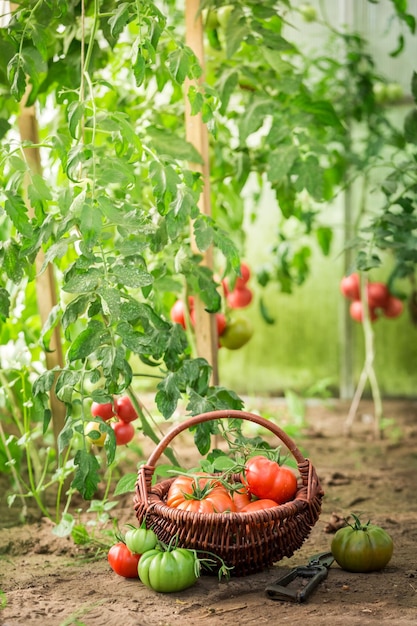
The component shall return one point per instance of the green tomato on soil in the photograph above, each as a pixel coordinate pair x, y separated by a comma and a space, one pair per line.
170, 571
362, 548
140, 540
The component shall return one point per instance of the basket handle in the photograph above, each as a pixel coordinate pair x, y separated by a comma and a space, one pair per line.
224, 414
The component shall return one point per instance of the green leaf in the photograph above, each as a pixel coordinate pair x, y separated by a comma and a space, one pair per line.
414, 86
4, 127
44, 382
236, 31
75, 113
179, 62
83, 282
88, 341
164, 179
168, 395
65, 384
12, 264
139, 67
168, 144
322, 110
126, 484
226, 86
16, 76
254, 117
280, 162
16, 209
204, 233
118, 21
131, 276
324, 237
4, 303
87, 475
410, 127
310, 176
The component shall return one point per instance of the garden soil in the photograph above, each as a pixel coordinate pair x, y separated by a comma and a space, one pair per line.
47, 581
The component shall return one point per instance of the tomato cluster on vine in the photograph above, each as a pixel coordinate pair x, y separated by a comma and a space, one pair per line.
120, 414
379, 299
233, 331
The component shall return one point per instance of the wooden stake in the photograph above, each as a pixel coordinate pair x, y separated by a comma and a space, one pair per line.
45, 283
197, 134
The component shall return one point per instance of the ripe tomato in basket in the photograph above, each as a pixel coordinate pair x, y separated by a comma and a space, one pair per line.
200, 493
268, 479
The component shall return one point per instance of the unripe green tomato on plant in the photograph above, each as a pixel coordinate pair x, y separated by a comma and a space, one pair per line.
238, 332
308, 12
362, 548
94, 435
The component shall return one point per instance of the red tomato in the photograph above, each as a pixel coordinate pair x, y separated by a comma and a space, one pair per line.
124, 432
241, 498
356, 312
259, 505
105, 411
221, 323
267, 479
239, 297
123, 561
378, 295
200, 494
350, 287
244, 278
125, 410
394, 307
177, 313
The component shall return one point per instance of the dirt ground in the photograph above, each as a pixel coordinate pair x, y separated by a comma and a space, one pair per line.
45, 581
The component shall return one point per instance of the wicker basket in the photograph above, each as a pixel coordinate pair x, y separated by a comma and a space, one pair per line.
247, 542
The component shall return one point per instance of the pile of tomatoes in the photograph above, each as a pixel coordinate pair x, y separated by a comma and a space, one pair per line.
380, 300
264, 484
233, 330
119, 414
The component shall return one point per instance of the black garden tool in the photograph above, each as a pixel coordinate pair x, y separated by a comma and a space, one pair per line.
305, 577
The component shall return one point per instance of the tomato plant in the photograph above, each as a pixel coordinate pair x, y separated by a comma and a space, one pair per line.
140, 540
125, 410
200, 494
105, 411
170, 570
267, 479
124, 432
123, 561
362, 547
238, 332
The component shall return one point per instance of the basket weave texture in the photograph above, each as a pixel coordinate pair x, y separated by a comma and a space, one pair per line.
247, 542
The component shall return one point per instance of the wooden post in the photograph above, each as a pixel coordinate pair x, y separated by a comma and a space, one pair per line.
45, 282
197, 134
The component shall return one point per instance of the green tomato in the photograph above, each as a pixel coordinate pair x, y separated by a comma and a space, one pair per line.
140, 540
308, 12
362, 548
238, 332
169, 571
